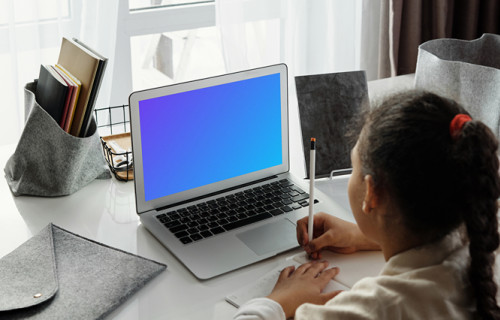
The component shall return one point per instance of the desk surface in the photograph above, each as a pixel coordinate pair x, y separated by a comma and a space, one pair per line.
105, 211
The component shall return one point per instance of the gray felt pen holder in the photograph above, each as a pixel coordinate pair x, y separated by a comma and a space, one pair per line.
49, 161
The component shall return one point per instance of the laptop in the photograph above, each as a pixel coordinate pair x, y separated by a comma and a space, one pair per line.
211, 169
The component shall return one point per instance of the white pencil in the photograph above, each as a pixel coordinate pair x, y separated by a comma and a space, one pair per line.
312, 173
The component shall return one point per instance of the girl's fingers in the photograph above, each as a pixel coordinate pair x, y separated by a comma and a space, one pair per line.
316, 268
285, 273
330, 273
302, 236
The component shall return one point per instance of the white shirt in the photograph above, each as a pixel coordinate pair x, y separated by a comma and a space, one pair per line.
429, 282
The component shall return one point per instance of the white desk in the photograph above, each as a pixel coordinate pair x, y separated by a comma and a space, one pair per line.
105, 211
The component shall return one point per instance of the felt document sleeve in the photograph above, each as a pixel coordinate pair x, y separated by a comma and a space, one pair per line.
60, 275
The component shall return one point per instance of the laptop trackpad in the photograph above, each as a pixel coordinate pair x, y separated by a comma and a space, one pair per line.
275, 236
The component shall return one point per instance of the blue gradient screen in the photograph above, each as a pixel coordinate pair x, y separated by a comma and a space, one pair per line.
191, 139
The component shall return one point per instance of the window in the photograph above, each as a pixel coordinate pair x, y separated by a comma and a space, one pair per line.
148, 4
176, 56
30, 34
163, 44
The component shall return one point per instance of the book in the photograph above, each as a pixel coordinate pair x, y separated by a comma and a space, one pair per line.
76, 94
69, 96
51, 92
95, 88
83, 65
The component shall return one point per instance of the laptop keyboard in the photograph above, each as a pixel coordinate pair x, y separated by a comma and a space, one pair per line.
226, 213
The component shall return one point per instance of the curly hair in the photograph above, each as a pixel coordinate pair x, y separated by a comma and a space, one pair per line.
405, 144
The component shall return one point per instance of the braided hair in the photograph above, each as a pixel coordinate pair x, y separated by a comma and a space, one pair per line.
437, 181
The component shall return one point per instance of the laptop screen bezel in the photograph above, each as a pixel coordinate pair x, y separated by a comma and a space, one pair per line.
141, 204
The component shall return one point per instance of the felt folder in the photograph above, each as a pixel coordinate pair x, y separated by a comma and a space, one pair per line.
60, 275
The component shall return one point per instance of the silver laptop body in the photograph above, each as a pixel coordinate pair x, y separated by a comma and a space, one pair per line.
198, 142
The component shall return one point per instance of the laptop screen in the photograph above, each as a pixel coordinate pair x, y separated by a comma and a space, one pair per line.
199, 137
196, 139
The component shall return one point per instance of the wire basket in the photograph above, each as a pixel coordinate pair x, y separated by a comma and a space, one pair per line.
113, 124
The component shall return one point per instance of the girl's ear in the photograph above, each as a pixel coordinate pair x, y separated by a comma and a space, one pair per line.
371, 200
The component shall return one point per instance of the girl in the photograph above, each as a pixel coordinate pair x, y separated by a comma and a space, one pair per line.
424, 190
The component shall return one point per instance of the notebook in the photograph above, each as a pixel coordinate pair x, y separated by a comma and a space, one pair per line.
211, 169
51, 92
328, 103
83, 65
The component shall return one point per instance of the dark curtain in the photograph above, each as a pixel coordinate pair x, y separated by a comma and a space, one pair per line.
405, 24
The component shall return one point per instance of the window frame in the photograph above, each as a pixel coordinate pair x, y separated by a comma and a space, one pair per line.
138, 22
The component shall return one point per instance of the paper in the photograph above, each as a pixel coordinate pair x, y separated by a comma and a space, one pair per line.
263, 286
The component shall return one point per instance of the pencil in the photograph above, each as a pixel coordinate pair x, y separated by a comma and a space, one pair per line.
312, 173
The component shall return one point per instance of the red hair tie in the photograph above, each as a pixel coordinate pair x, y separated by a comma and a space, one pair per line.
457, 123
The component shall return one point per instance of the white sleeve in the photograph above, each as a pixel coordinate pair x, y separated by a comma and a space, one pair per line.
260, 309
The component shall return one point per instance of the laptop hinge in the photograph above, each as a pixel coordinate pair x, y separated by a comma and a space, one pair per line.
216, 193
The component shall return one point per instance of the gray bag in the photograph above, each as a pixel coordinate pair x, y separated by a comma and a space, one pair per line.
60, 275
465, 71
49, 161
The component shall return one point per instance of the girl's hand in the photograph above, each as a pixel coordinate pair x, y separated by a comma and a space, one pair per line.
295, 287
334, 234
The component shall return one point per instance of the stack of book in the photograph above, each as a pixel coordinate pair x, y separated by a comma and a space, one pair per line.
68, 90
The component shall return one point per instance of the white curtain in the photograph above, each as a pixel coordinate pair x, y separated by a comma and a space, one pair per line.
98, 29
30, 35
310, 36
